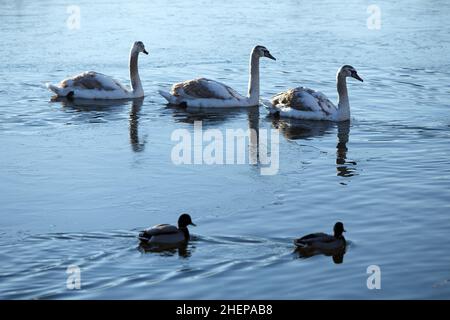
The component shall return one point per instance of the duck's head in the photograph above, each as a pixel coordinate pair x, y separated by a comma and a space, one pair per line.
138, 46
349, 71
262, 52
185, 220
338, 229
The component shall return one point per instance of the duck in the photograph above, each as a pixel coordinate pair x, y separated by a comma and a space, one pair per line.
323, 241
95, 85
166, 234
308, 104
206, 93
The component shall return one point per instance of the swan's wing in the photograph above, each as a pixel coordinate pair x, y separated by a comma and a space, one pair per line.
303, 99
92, 80
325, 104
159, 230
291, 98
204, 89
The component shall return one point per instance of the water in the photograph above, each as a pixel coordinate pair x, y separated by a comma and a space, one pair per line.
78, 182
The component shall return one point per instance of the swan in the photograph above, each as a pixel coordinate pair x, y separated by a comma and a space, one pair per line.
166, 234
94, 85
323, 241
307, 104
204, 92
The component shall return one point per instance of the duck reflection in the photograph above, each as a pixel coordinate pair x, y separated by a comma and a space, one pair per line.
97, 110
183, 250
336, 255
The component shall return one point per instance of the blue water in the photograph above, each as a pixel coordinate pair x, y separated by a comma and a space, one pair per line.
78, 182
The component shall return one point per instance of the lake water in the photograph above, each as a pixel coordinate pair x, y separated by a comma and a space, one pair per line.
78, 182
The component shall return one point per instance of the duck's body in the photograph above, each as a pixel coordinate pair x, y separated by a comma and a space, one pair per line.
206, 93
308, 104
95, 85
322, 241
165, 234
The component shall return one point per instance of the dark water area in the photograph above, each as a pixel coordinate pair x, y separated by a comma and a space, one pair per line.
78, 181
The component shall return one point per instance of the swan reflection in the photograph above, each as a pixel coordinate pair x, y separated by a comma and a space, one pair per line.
345, 168
255, 144
136, 144
89, 110
211, 116
295, 129
90, 105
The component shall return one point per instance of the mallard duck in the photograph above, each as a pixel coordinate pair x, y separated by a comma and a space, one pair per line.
323, 241
166, 234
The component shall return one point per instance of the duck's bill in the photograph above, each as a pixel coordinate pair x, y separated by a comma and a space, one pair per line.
145, 51
193, 224
357, 77
268, 55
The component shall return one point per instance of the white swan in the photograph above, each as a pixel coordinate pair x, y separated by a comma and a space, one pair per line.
305, 103
203, 92
94, 85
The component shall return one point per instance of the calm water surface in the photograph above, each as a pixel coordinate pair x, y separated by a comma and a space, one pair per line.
78, 181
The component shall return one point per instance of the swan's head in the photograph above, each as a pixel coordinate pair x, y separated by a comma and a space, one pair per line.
184, 221
349, 71
338, 229
138, 46
262, 51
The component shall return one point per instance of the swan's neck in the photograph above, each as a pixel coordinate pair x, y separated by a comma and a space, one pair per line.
253, 83
343, 103
136, 84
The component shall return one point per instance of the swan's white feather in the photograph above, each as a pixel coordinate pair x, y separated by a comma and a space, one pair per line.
92, 85
205, 93
303, 103
203, 88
